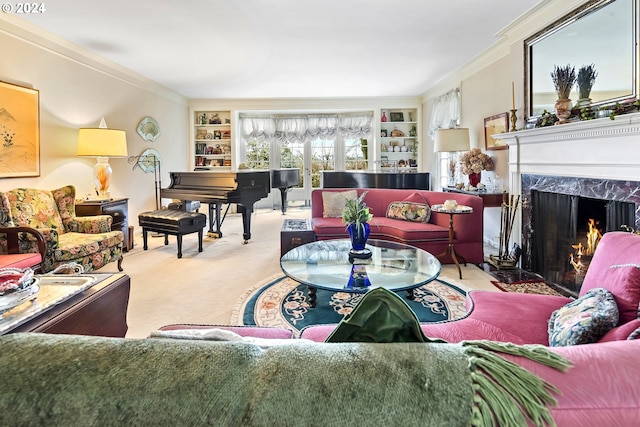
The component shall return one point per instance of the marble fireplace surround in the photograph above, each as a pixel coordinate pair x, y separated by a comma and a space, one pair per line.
596, 158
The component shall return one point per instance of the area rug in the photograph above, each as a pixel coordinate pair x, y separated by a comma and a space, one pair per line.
527, 288
283, 302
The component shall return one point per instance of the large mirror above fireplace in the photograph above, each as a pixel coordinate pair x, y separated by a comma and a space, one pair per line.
604, 33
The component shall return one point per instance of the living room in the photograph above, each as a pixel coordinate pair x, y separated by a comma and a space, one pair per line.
78, 87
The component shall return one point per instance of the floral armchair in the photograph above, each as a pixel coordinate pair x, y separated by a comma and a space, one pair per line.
86, 240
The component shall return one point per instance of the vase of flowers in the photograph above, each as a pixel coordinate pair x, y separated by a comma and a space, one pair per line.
563, 80
356, 216
473, 162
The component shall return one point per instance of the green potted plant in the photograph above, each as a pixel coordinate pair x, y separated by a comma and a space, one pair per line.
586, 79
563, 80
356, 216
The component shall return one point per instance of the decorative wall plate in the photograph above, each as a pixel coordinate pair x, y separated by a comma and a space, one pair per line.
148, 129
149, 160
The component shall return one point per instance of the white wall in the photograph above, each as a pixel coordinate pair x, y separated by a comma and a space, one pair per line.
77, 92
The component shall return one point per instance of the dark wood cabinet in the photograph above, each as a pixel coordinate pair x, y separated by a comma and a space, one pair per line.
489, 200
100, 310
117, 208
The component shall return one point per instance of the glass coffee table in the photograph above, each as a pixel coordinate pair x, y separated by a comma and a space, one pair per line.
326, 265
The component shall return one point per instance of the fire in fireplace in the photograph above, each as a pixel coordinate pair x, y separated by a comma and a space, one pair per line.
562, 227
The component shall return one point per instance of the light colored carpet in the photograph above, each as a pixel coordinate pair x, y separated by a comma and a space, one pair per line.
203, 288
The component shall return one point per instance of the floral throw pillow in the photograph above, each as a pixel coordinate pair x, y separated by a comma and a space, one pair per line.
584, 320
409, 211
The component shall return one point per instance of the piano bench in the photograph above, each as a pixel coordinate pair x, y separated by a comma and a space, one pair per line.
174, 222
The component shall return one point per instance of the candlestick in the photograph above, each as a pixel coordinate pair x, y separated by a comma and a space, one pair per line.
513, 96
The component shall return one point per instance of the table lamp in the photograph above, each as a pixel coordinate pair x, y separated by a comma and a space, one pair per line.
102, 143
451, 141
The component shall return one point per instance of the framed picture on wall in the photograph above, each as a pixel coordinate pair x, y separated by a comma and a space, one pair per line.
19, 131
494, 125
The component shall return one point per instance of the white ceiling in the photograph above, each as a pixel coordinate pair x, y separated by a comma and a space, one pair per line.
285, 48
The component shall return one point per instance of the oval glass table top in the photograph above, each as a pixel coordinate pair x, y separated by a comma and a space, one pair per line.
326, 265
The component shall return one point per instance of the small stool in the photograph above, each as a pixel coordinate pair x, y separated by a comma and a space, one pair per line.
174, 222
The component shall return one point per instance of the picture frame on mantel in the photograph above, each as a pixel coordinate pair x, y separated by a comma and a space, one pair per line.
19, 131
493, 125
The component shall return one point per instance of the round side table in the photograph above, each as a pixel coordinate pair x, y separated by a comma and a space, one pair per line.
451, 250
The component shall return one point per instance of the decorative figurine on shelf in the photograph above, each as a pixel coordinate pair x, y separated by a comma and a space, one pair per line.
384, 117
203, 119
214, 119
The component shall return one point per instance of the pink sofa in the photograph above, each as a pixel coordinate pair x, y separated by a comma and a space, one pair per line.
432, 236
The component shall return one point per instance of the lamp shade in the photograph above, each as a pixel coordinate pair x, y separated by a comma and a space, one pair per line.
451, 140
102, 142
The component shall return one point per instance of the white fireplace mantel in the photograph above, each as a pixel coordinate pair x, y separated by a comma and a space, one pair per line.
600, 148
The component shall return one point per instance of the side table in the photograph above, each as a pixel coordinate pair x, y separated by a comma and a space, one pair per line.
451, 250
117, 208
294, 233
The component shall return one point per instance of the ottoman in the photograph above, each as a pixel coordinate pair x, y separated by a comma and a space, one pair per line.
174, 222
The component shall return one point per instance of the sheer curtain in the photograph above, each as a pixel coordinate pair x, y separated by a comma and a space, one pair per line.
446, 112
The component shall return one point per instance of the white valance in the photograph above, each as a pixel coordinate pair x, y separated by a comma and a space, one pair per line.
446, 112
305, 127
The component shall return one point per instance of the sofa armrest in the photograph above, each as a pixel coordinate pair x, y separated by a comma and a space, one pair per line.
93, 224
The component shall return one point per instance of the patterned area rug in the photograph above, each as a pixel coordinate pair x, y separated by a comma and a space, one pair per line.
283, 303
527, 288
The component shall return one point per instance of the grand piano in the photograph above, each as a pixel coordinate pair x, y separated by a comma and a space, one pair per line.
217, 188
285, 179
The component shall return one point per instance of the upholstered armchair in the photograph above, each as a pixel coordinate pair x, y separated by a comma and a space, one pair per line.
86, 240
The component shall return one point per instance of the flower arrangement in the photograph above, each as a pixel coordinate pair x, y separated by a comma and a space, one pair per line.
356, 212
563, 80
475, 161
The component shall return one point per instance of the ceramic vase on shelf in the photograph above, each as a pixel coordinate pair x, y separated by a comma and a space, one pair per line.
562, 110
474, 179
384, 117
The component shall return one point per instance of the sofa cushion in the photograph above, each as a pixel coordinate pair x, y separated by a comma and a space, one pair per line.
584, 320
333, 202
413, 208
76, 245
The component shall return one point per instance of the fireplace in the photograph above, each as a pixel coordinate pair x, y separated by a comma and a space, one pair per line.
594, 162
563, 219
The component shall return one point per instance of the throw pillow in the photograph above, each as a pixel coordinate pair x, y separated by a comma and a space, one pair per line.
634, 335
333, 202
584, 320
413, 208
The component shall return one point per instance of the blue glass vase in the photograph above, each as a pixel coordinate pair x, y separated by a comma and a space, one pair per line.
358, 236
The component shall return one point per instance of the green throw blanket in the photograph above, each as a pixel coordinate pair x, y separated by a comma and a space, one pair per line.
72, 380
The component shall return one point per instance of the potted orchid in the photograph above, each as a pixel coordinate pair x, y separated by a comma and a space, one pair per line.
356, 216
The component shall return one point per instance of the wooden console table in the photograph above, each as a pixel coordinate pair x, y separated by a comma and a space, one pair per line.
99, 310
489, 200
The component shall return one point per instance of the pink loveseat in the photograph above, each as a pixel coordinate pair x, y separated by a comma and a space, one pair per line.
432, 236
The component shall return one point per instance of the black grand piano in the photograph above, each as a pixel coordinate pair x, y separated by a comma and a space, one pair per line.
285, 179
217, 188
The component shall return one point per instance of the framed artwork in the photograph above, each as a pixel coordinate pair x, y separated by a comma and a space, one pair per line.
493, 125
396, 117
19, 131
